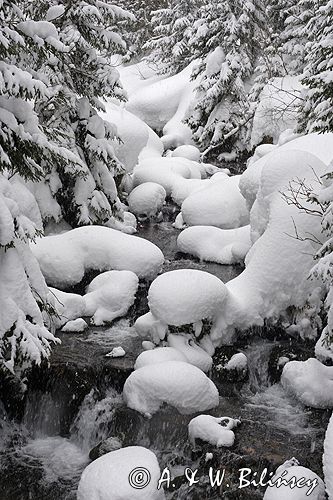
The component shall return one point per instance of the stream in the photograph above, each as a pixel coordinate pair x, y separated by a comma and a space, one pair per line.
76, 403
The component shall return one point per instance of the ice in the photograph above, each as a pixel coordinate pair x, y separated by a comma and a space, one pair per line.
116, 476
147, 199
309, 381
219, 204
224, 246
65, 258
310, 486
186, 296
216, 431
159, 355
110, 295
173, 382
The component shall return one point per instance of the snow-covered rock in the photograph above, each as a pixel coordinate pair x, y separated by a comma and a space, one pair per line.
187, 151
309, 381
219, 204
193, 353
65, 258
158, 355
122, 475
135, 136
68, 306
117, 352
299, 483
146, 199
176, 383
224, 246
185, 296
216, 431
76, 325
237, 362
328, 459
110, 295
323, 347
149, 326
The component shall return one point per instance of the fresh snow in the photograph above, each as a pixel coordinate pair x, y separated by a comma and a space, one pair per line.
176, 383
194, 354
147, 199
158, 355
309, 381
110, 295
310, 482
107, 478
187, 151
186, 296
65, 258
76, 325
216, 431
224, 246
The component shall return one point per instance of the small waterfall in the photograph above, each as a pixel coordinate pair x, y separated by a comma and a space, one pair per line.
258, 355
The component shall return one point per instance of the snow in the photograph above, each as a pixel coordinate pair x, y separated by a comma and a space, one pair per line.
76, 325
193, 353
277, 108
328, 459
278, 263
309, 381
159, 355
224, 246
146, 199
117, 352
323, 347
110, 295
135, 136
185, 296
173, 382
68, 306
187, 151
64, 259
107, 478
218, 204
216, 431
151, 327
162, 104
237, 362
310, 486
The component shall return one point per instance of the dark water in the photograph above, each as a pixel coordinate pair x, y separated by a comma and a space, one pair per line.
77, 402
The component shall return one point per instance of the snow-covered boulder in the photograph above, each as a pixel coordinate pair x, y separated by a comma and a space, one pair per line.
193, 353
309, 381
328, 459
65, 258
237, 362
186, 296
135, 135
147, 199
219, 204
158, 355
187, 151
76, 325
294, 482
224, 246
147, 326
68, 306
127, 474
176, 383
110, 295
216, 431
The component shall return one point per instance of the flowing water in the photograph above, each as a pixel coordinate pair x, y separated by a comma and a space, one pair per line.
77, 403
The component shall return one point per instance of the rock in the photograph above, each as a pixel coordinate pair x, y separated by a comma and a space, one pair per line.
110, 444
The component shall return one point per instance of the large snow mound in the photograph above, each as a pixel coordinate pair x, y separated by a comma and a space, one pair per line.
224, 246
309, 381
219, 204
186, 296
158, 355
216, 431
110, 295
146, 199
135, 135
176, 383
122, 475
278, 263
310, 485
65, 258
